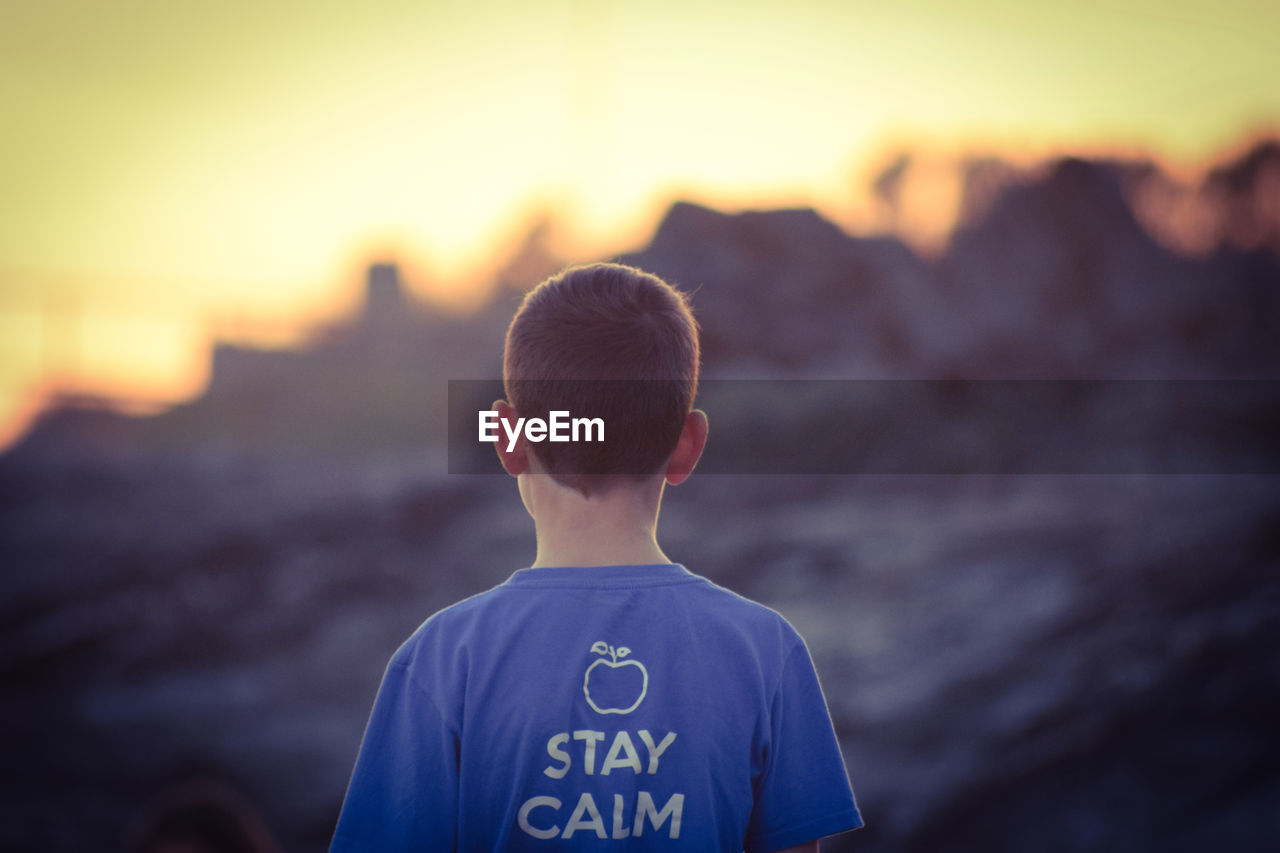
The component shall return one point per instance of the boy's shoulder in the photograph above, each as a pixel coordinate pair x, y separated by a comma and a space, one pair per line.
667, 586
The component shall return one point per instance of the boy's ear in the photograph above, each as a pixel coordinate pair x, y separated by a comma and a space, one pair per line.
515, 461
689, 448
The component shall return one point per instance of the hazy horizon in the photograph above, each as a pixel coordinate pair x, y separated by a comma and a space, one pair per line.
186, 174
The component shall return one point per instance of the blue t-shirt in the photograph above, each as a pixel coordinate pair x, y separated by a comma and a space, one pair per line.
599, 708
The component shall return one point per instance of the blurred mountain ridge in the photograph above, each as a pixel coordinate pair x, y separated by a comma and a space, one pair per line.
1052, 276
1072, 663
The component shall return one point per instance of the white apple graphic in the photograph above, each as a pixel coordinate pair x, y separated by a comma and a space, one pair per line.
612, 681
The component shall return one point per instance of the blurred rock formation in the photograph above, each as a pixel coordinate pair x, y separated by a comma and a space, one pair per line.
1013, 662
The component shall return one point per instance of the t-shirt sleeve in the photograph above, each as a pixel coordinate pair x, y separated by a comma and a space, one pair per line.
403, 792
803, 792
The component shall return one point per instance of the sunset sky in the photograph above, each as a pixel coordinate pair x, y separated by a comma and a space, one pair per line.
167, 167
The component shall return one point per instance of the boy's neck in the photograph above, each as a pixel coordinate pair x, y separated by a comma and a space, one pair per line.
616, 528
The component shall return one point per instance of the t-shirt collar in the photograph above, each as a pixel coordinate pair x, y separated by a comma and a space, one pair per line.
655, 574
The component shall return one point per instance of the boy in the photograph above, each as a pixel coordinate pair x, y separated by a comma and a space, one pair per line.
605, 697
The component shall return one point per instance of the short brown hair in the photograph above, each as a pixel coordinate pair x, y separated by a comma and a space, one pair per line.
604, 341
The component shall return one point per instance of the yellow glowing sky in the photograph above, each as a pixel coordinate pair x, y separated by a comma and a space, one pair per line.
166, 165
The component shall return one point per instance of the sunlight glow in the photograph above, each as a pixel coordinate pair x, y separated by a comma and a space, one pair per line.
197, 171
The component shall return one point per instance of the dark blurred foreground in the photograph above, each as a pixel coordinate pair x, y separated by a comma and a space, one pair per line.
1014, 662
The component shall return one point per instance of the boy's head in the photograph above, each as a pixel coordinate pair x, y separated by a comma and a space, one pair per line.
611, 342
